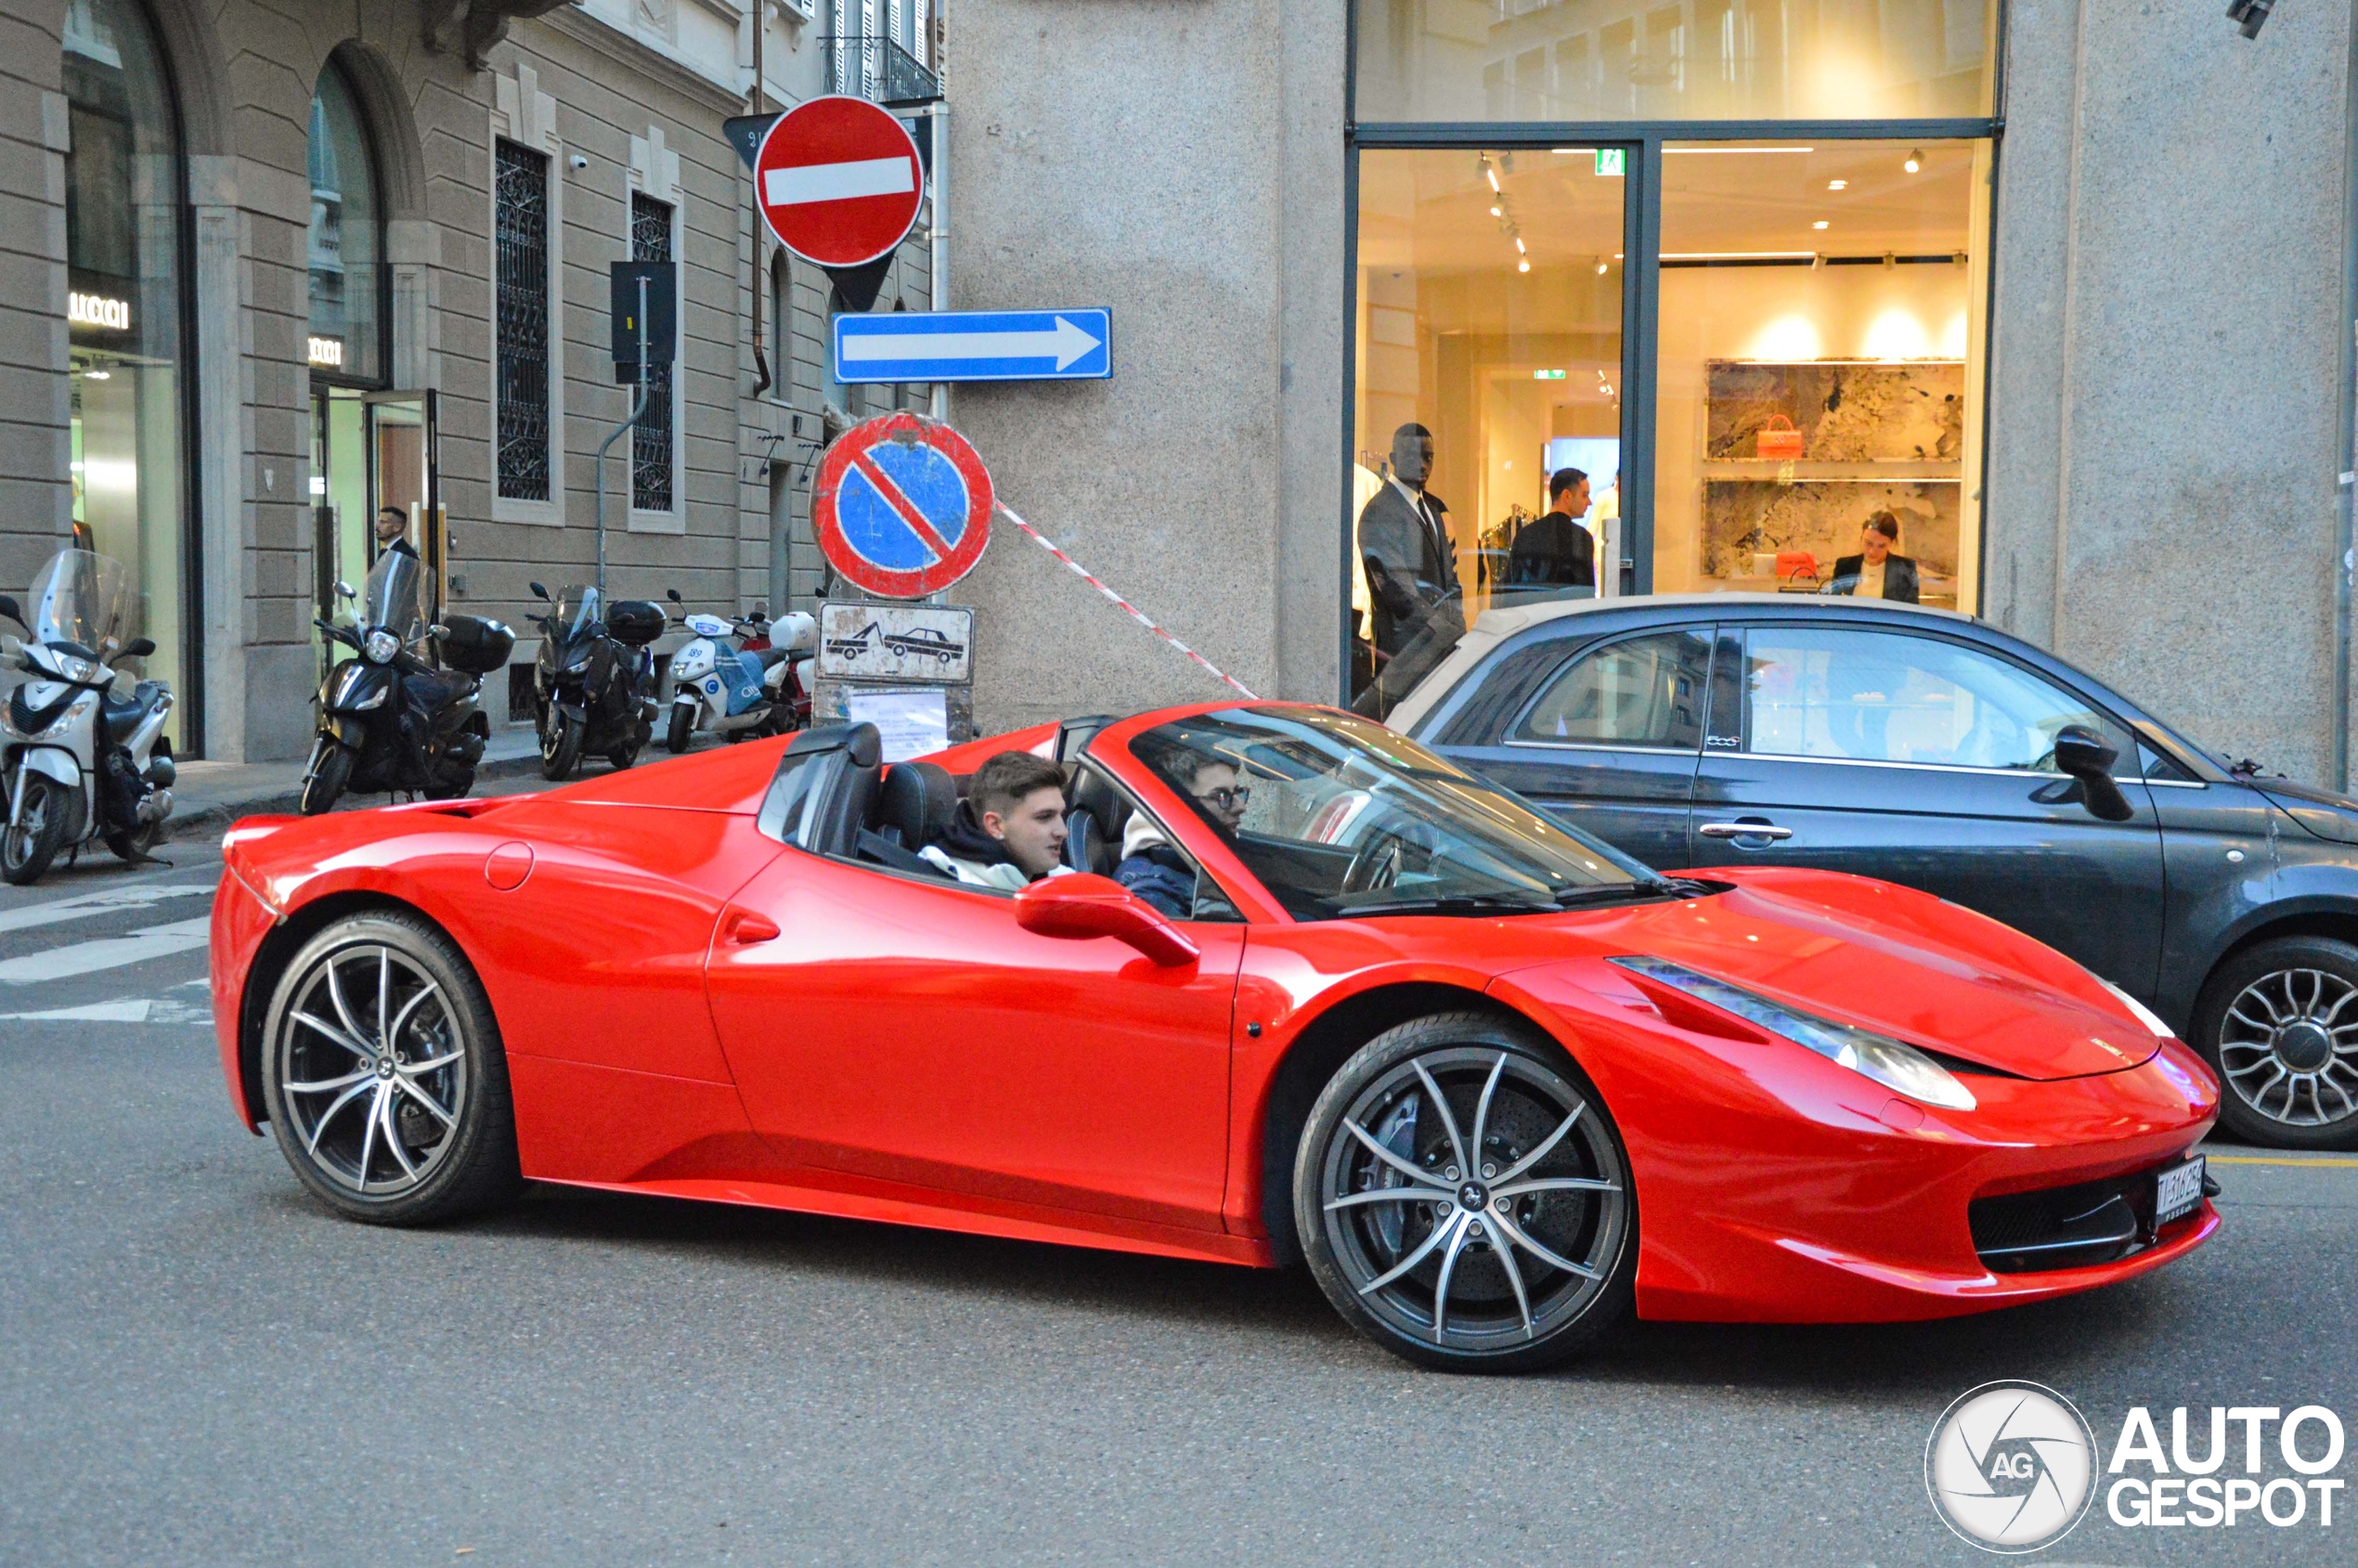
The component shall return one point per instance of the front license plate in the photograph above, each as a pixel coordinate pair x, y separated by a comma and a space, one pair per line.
2177, 1191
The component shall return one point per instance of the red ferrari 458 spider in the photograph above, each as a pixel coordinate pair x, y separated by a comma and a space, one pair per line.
1495, 1083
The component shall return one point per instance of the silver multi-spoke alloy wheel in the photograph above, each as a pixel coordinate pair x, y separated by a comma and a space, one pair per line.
2279, 1021
2288, 1047
1464, 1201
383, 1075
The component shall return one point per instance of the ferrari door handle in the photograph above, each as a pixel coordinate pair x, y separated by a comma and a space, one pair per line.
1744, 830
742, 928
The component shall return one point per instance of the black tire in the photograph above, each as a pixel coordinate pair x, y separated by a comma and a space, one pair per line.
623, 755
2279, 1022
1419, 1278
134, 844
451, 787
559, 746
330, 771
349, 1120
27, 849
678, 732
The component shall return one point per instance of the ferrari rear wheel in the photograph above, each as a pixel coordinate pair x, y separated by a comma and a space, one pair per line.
383, 1075
1463, 1198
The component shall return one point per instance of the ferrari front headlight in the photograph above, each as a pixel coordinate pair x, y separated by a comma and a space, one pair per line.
1892, 1063
2145, 1015
380, 646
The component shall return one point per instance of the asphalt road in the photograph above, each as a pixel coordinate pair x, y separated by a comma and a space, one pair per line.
198, 1365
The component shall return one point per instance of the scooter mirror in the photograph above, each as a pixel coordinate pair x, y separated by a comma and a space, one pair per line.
343, 589
8, 608
140, 647
438, 629
539, 592
673, 594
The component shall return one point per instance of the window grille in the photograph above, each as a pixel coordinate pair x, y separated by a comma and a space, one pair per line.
651, 463
521, 241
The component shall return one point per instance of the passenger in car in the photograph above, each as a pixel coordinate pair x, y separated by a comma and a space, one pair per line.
1010, 829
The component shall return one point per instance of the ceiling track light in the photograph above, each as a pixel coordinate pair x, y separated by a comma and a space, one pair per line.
1915, 160
1523, 266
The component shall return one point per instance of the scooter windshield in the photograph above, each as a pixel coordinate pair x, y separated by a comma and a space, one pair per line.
578, 608
390, 599
82, 599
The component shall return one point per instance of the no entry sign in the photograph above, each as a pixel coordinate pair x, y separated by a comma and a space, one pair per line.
837, 180
901, 506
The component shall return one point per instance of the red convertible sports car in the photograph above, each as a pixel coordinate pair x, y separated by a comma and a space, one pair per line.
1495, 1083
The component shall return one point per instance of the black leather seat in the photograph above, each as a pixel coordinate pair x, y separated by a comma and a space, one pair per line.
825, 788
1093, 825
917, 803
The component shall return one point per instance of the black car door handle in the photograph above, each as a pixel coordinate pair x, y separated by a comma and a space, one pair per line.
1744, 830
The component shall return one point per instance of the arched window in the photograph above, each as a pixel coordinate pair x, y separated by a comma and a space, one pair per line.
347, 237
126, 318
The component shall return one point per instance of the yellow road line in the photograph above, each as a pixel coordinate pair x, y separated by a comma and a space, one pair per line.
2255, 1159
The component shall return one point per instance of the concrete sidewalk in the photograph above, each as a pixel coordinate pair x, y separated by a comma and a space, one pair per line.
209, 795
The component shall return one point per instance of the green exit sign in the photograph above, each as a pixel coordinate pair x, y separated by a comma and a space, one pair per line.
1612, 162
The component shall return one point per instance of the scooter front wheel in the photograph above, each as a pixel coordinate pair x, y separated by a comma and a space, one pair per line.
330, 771
560, 747
683, 725
39, 830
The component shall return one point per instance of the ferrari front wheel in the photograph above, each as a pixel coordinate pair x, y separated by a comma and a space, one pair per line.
1464, 1199
383, 1075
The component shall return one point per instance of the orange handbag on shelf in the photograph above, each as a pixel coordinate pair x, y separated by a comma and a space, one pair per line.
1779, 439
1795, 564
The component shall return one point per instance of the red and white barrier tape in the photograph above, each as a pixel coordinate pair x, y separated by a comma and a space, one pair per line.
1127, 608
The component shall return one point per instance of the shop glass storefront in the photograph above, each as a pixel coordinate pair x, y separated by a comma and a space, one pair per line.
1667, 298
126, 318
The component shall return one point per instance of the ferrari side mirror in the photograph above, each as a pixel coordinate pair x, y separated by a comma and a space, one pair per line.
2082, 754
1083, 906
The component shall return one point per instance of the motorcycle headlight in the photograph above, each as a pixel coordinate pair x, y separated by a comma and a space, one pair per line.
379, 646
691, 663
79, 669
374, 699
1889, 1062
2145, 1015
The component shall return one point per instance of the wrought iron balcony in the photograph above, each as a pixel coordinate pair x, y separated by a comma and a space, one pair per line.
872, 66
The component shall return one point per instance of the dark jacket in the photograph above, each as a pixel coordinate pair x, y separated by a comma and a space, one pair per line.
1163, 879
1412, 568
1553, 551
1898, 577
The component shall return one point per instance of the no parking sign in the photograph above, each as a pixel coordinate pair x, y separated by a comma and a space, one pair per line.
901, 506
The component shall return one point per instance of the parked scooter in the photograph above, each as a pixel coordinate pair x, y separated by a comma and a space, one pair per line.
388, 719
593, 685
80, 763
759, 687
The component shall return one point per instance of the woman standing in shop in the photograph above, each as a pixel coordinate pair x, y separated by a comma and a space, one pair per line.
1875, 572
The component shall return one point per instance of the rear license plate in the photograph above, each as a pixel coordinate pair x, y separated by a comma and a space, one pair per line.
2177, 1191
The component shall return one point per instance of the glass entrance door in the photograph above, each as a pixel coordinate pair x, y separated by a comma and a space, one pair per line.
370, 451
405, 475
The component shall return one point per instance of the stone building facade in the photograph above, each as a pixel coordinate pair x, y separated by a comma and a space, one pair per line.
280, 310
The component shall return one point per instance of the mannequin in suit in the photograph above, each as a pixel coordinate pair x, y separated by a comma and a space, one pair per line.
1412, 570
1875, 572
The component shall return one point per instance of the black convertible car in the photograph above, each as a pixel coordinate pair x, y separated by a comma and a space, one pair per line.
1922, 746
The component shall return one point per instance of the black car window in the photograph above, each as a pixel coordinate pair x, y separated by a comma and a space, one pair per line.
1890, 696
1640, 692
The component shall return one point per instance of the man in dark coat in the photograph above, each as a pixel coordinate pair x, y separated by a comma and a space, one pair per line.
1412, 572
1555, 551
1874, 572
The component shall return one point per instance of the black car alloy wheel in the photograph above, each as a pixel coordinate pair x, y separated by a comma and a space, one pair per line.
1463, 1199
383, 1076
2280, 1024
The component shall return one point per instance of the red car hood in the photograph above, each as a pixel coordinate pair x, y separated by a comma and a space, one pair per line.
1976, 991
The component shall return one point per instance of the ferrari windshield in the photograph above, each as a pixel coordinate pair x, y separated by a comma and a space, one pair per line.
1339, 817
82, 599
389, 600
578, 607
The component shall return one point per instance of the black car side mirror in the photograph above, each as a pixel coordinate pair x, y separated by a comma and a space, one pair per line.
2082, 754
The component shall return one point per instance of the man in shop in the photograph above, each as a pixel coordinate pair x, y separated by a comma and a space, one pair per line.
393, 532
1555, 551
1412, 573
1010, 829
1874, 572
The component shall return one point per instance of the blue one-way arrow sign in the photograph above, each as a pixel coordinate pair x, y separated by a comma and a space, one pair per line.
976, 345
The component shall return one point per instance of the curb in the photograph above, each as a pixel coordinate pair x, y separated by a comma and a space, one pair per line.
216, 816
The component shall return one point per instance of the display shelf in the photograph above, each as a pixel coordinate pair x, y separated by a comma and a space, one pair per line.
1804, 471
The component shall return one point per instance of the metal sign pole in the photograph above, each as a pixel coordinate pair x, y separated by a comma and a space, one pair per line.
638, 407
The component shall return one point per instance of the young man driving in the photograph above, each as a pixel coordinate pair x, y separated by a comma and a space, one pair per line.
1010, 829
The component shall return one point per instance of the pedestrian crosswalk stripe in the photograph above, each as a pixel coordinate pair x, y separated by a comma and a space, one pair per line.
130, 1012
107, 953
82, 906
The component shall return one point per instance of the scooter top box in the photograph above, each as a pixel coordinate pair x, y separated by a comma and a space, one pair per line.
474, 644
634, 621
